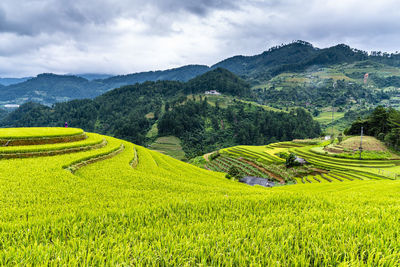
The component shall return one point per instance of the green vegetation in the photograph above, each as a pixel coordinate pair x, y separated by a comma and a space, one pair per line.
326, 117
383, 123
169, 145
204, 128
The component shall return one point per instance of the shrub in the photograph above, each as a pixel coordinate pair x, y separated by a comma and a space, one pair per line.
282, 155
214, 155
340, 138
381, 136
291, 161
234, 172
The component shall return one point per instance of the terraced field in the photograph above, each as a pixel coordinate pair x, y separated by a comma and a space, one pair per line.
121, 204
352, 168
323, 168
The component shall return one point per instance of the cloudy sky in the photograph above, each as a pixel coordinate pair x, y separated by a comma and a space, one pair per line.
126, 36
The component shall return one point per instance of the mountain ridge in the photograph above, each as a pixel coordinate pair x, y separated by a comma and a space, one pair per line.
293, 57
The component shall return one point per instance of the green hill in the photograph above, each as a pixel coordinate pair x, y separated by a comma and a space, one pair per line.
121, 204
220, 80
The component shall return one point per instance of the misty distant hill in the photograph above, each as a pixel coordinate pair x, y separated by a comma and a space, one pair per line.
9, 81
51, 88
93, 76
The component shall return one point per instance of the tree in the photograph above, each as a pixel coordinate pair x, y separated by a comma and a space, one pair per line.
234, 172
340, 137
291, 161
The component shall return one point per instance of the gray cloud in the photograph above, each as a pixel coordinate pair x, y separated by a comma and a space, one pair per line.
197, 7
123, 36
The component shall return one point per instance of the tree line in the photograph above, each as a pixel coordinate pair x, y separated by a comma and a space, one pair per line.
204, 128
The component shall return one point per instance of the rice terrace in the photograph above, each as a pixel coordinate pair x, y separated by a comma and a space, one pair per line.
105, 201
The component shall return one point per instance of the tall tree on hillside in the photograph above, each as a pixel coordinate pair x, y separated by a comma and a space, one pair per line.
379, 121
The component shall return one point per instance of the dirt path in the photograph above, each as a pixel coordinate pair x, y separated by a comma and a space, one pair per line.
207, 155
273, 175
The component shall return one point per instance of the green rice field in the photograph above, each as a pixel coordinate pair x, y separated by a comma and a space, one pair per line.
16, 133
124, 205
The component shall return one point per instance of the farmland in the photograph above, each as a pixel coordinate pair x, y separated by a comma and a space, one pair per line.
377, 162
123, 204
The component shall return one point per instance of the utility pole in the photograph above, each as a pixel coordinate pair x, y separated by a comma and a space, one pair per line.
360, 148
333, 111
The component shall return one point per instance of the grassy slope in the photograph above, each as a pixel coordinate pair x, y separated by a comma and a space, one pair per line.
169, 145
369, 143
326, 117
166, 212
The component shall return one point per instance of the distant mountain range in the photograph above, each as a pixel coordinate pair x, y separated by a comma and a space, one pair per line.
293, 57
9, 81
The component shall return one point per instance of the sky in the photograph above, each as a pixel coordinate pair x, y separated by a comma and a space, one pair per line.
128, 36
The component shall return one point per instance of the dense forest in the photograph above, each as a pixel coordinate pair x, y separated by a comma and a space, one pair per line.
204, 128
383, 123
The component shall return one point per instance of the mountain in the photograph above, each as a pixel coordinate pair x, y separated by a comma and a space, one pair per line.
182, 74
93, 76
293, 57
248, 66
9, 81
50, 88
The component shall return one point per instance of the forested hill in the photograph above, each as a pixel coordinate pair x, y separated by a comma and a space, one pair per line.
9, 81
220, 80
293, 57
383, 123
49, 88
131, 111
182, 74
